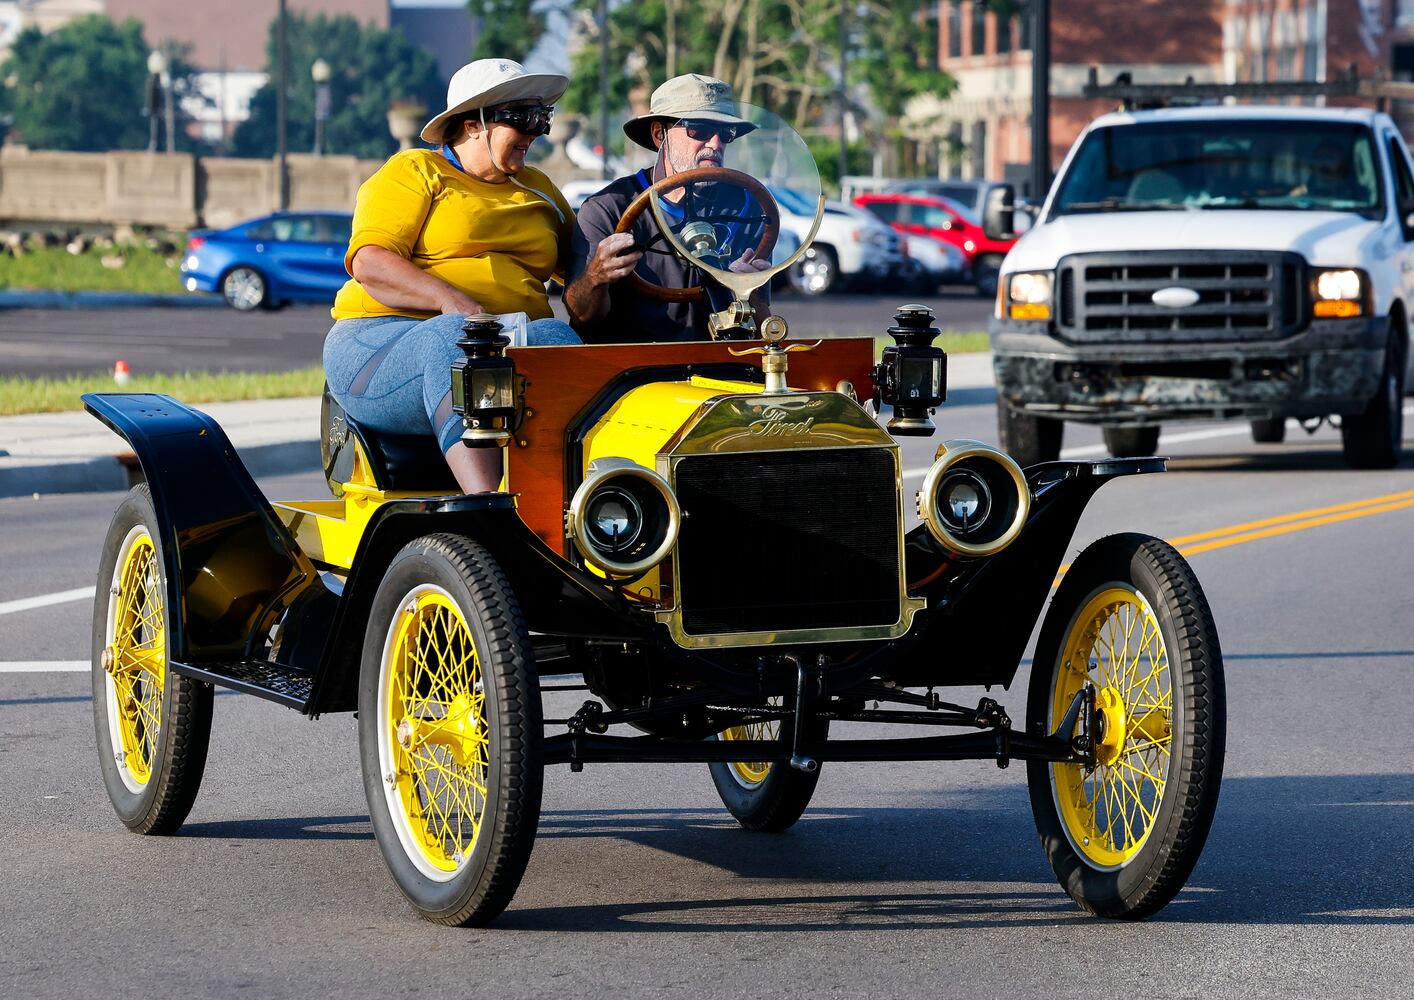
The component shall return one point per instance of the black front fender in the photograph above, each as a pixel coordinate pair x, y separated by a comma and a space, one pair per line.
982, 611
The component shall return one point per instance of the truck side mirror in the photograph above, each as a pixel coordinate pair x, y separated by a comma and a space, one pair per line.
999, 213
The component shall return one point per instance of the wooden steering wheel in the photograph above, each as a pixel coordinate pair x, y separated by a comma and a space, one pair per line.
721, 175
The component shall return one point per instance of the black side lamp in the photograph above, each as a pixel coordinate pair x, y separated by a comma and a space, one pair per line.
484, 384
913, 375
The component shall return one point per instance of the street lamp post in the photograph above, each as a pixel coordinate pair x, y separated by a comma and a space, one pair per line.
156, 66
282, 74
319, 72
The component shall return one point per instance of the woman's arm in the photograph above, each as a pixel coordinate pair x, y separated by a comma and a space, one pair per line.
398, 283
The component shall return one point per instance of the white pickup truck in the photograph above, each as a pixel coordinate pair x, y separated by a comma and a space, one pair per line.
1228, 262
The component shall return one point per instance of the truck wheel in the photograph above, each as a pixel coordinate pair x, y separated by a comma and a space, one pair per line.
761, 795
450, 730
1374, 439
1269, 430
153, 726
1131, 442
1129, 621
816, 273
1028, 439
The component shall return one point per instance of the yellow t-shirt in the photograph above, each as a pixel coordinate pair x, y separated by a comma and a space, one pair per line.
498, 243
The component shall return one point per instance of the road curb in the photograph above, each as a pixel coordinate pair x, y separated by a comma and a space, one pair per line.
11, 299
107, 473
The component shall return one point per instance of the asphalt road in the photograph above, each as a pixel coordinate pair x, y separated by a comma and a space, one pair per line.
64, 341
902, 880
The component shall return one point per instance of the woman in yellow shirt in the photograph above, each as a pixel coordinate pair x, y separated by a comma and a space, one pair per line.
442, 234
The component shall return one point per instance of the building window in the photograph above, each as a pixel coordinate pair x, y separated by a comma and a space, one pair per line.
1003, 33
954, 30
979, 28
1023, 32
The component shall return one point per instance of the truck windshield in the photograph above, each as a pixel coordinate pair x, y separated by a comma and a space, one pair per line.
1223, 163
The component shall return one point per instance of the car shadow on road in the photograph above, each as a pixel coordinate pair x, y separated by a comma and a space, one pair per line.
1314, 458
1283, 850
284, 828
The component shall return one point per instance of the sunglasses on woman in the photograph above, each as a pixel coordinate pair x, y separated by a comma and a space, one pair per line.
527, 120
702, 131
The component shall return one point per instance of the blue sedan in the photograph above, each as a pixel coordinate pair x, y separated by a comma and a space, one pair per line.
267, 262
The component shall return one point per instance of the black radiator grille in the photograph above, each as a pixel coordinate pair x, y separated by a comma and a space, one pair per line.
1242, 295
774, 541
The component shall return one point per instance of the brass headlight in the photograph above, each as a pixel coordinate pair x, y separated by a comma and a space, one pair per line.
974, 499
623, 518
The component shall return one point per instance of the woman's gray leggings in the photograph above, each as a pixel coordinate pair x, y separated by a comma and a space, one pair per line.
394, 374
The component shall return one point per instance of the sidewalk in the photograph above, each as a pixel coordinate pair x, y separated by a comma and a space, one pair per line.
75, 453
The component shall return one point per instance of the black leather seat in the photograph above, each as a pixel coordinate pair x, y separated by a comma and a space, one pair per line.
405, 463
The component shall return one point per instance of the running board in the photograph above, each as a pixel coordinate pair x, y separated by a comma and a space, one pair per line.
271, 681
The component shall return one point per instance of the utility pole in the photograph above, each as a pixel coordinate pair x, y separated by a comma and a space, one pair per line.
844, 90
170, 112
604, 171
1040, 15
282, 74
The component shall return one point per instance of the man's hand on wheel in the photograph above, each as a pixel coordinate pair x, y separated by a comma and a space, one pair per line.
749, 262
614, 258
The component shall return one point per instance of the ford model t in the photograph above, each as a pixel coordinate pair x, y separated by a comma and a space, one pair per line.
715, 536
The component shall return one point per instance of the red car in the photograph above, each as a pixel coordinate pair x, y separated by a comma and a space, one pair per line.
947, 221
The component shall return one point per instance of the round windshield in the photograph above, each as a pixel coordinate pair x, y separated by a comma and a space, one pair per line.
734, 173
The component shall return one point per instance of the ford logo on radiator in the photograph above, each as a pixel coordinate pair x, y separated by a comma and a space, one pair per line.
1175, 297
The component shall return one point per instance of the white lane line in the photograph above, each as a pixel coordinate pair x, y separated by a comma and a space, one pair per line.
44, 667
44, 600
1203, 435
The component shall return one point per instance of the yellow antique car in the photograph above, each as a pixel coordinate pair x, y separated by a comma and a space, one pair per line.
713, 535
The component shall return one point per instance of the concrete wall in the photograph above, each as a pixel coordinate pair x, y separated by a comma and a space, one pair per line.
176, 191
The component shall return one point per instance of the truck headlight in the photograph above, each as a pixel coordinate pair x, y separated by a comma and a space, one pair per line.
1338, 293
1029, 295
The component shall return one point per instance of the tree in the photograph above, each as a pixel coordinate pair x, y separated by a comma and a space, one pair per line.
371, 68
509, 29
81, 87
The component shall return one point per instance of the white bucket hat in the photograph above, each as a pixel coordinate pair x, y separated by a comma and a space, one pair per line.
487, 82
691, 95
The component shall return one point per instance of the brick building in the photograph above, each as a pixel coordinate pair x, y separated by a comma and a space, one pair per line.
988, 117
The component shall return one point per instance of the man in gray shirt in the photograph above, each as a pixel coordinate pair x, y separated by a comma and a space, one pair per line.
696, 118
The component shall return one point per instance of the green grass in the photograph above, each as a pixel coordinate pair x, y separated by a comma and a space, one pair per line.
969, 342
53, 395
55, 269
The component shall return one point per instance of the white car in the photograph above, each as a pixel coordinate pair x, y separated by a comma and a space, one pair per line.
852, 247
931, 263
1252, 262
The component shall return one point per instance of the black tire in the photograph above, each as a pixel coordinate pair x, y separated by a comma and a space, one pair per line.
1268, 430
987, 272
153, 786
1131, 442
1030, 440
447, 596
816, 273
245, 289
1374, 439
772, 803
1183, 749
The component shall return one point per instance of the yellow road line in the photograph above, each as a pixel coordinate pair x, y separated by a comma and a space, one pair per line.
1283, 524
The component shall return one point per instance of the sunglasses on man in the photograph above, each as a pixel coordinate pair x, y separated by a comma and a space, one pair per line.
703, 131
530, 120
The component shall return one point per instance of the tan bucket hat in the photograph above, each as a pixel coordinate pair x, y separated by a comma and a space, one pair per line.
486, 82
691, 95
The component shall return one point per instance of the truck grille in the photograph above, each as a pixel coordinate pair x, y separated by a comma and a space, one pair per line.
777, 541
1242, 295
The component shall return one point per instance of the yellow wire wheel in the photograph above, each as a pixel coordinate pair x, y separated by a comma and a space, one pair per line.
152, 725
764, 795
450, 730
1130, 627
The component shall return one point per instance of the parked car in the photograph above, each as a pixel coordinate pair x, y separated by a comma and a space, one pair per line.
576, 192
971, 195
930, 263
1214, 262
946, 221
852, 247
268, 262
